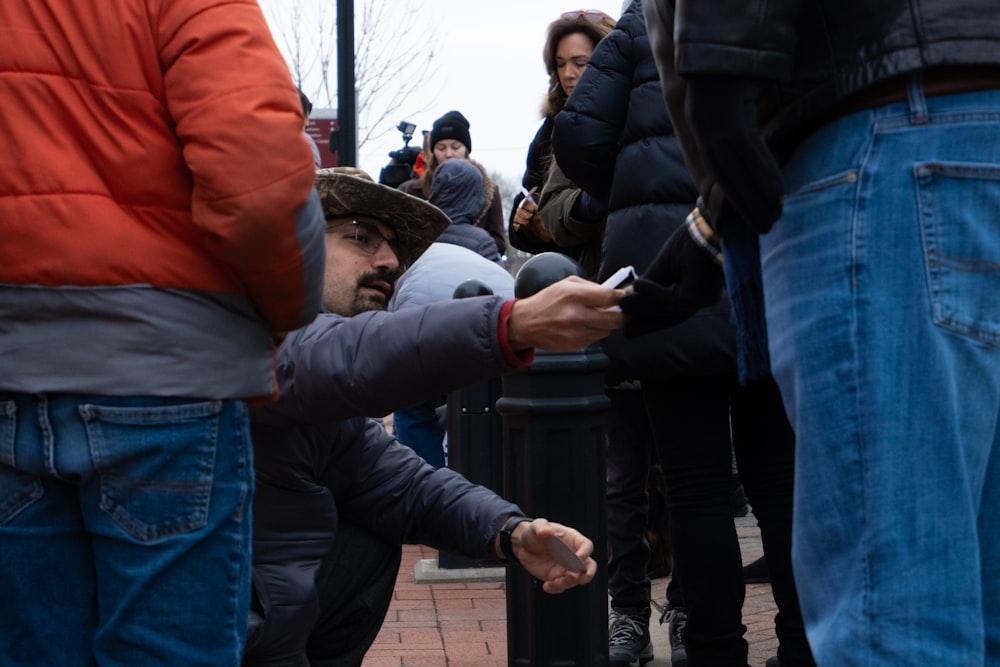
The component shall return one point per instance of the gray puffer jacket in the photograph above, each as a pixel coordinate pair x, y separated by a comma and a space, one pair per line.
318, 462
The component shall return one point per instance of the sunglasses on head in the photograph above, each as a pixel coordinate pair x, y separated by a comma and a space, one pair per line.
594, 15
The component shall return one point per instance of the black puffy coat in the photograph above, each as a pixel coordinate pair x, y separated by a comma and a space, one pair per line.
614, 139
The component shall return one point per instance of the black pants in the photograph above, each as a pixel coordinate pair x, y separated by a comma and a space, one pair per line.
355, 583
629, 443
691, 427
765, 455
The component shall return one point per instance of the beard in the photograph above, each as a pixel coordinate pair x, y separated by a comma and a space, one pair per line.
374, 298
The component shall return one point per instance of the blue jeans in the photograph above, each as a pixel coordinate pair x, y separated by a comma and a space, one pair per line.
882, 290
124, 530
418, 428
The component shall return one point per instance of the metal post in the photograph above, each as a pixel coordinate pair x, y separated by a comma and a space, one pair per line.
475, 434
347, 104
554, 466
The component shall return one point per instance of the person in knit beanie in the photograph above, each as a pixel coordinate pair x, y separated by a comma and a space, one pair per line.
452, 125
450, 139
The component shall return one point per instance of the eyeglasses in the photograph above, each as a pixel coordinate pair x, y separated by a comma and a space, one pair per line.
367, 237
594, 15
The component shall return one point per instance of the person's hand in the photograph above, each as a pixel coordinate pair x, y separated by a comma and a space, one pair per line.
721, 112
683, 278
566, 316
530, 541
526, 218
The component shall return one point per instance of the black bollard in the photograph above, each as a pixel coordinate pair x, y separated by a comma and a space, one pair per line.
471, 287
553, 438
475, 434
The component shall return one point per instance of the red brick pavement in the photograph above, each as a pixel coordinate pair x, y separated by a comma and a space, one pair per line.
432, 625
464, 625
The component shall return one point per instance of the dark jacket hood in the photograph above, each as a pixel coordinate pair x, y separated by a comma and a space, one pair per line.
459, 190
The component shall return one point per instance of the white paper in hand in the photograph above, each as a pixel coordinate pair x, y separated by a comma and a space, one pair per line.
622, 276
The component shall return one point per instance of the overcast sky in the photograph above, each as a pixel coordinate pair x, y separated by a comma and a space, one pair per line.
489, 67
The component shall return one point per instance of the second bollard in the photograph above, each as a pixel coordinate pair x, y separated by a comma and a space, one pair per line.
475, 435
554, 466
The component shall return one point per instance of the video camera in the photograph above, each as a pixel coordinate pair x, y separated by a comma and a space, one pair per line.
400, 167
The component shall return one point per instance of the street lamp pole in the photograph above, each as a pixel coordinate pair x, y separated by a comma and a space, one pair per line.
347, 103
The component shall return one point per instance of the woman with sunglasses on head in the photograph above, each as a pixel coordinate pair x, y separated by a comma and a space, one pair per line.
571, 220
616, 139
552, 214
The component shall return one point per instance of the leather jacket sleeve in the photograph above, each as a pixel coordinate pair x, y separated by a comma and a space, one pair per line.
751, 38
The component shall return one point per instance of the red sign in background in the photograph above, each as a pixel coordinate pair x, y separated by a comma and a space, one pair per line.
320, 129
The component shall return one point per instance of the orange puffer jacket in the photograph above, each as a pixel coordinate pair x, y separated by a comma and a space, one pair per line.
156, 208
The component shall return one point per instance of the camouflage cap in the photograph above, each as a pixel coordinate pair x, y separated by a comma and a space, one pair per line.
347, 191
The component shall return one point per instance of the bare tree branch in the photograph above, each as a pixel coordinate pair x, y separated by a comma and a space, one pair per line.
393, 57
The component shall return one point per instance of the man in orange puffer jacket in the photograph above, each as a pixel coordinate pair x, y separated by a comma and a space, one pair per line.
159, 232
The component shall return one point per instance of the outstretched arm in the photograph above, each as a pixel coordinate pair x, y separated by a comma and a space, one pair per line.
341, 367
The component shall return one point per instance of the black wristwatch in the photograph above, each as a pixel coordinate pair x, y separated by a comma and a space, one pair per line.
506, 546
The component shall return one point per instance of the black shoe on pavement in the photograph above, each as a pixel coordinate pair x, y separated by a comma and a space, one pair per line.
772, 662
629, 644
757, 573
677, 619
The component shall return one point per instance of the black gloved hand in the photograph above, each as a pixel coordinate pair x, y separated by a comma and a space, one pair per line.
721, 112
683, 278
588, 208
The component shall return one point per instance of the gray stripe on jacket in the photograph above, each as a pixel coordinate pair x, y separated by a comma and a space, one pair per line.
133, 341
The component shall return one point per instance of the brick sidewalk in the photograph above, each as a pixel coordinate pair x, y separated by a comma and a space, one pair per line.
465, 625
432, 625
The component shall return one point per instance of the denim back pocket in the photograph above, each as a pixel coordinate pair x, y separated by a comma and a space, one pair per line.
18, 490
155, 464
959, 206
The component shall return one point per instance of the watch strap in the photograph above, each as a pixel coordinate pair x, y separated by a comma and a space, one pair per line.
506, 545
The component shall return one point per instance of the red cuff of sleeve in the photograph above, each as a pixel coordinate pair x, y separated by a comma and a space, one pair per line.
513, 357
